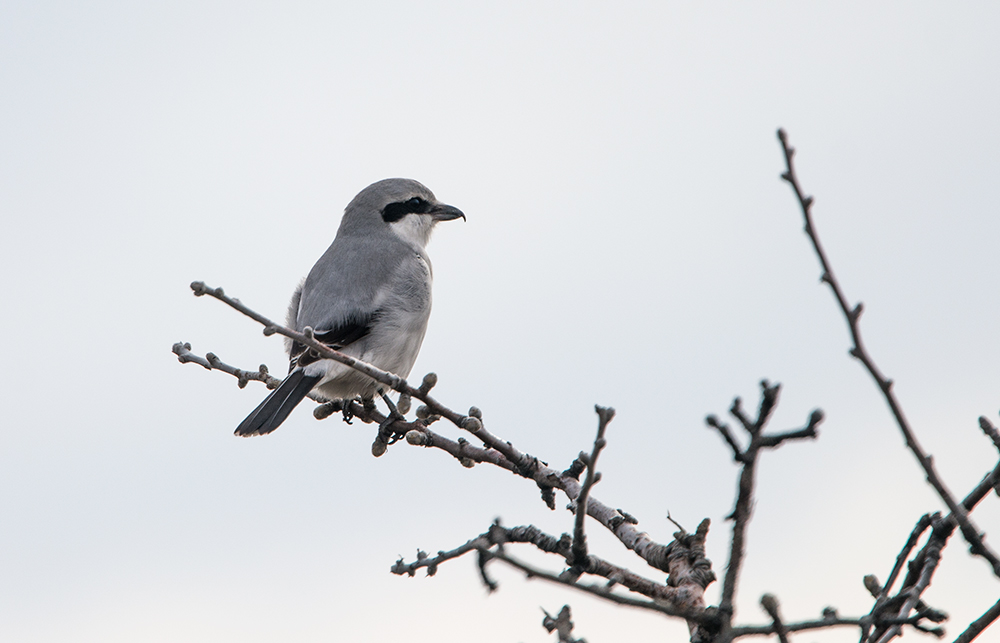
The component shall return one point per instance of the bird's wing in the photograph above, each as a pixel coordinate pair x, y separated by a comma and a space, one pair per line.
343, 296
350, 281
336, 338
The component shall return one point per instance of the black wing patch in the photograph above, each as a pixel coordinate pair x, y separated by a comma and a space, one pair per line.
336, 338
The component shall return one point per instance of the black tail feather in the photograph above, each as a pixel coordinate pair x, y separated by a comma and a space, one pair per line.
276, 406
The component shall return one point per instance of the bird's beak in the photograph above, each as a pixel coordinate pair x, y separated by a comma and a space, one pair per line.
442, 212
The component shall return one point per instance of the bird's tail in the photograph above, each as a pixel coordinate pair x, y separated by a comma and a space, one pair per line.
276, 406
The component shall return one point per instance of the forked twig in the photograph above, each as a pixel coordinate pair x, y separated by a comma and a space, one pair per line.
579, 551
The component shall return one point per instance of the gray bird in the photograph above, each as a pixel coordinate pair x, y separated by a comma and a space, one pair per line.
368, 296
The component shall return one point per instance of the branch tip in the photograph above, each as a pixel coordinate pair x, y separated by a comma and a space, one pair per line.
990, 430
430, 381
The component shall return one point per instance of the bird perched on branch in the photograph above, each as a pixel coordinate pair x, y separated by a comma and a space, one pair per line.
368, 296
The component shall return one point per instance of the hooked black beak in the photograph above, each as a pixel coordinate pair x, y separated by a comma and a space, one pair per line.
442, 212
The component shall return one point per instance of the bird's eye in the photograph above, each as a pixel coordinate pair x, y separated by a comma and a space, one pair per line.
396, 211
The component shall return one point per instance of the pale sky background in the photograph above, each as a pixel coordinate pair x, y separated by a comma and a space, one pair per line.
628, 243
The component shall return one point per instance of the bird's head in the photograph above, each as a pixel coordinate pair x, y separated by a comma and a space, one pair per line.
405, 206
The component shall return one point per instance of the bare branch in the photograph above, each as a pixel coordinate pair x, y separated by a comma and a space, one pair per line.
417, 433
562, 625
685, 566
943, 529
990, 431
736, 410
473, 425
463, 451
892, 605
858, 351
687, 552
881, 593
270, 328
727, 435
770, 604
990, 482
745, 494
683, 559
579, 536
431, 564
922, 525
768, 401
826, 622
497, 535
698, 616
977, 626
211, 362
525, 465
741, 517
807, 432
931, 560
481, 561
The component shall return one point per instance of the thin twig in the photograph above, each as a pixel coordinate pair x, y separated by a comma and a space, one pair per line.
809, 431
989, 483
977, 626
990, 431
933, 557
579, 553
770, 604
745, 494
562, 625
858, 351
211, 362
821, 624
943, 528
892, 605
697, 616
736, 410
918, 577
498, 536
911, 542
744, 500
495, 535
727, 435
668, 600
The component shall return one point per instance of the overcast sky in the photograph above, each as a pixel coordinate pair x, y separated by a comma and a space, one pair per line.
628, 243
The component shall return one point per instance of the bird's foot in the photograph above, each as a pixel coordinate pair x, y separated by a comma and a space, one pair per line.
384, 428
393, 411
386, 435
